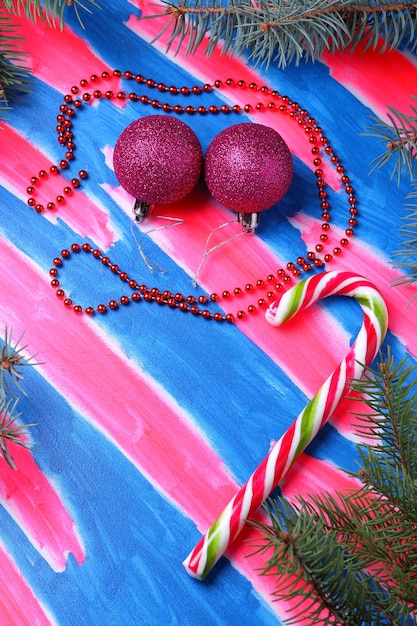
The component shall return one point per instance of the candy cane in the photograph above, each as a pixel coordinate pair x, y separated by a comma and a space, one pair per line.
317, 412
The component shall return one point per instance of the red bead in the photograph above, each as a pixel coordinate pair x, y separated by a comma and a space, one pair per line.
60, 293
123, 276
327, 257
86, 247
229, 317
240, 314
101, 308
82, 174
53, 272
50, 206
31, 202
96, 253
60, 199
114, 268
68, 302
206, 314
251, 308
136, 296
78, 308
217, 316
132, 284
195, 310
57, 262
89, 310
113, 304
55, 282
65, 254
124, 300
337, 251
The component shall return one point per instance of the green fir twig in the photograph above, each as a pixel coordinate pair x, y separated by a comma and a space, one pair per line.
350, 558
272, 31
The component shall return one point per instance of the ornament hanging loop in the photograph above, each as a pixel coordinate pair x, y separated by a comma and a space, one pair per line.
142, 210
248, 221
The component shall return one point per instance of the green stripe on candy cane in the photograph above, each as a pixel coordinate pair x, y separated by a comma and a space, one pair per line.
318, 411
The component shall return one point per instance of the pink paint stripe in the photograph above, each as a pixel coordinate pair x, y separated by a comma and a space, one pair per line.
366, 76
81, 214
310, 476
217, 66
18, 605
52, 54
35, 505
177, 471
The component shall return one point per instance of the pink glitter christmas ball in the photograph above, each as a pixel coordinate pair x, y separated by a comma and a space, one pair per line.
158, 159
248, 167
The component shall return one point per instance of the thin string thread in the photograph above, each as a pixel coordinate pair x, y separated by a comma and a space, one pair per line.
176, 221
208, 251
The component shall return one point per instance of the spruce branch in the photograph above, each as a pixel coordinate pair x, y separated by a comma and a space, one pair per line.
272, 31
351, 557
406, 256
52, 12
14, 75
12, 362
14, 79
11, 431
399, 137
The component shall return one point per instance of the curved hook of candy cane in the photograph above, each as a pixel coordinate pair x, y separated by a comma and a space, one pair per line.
272, 469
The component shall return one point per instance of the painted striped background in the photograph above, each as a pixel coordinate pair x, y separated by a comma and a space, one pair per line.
148, 419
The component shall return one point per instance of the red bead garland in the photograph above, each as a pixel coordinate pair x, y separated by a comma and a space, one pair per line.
79, 96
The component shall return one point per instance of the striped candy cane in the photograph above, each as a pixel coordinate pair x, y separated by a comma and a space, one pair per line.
317, 412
